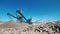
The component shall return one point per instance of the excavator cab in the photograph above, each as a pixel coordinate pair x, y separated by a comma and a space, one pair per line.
20, 18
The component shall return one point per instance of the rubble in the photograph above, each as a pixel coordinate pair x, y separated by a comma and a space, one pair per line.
12, 27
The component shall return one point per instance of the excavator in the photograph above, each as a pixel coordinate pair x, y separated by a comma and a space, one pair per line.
19, 16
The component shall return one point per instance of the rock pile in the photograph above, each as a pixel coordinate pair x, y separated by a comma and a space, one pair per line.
35, 28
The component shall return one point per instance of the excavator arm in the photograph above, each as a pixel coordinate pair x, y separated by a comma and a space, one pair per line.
11, 15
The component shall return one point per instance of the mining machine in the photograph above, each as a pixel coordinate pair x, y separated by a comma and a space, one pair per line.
20, 17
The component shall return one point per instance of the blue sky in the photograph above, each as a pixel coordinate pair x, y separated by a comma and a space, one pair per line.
44, 10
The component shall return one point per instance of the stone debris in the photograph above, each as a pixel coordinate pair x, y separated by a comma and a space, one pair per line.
12, 27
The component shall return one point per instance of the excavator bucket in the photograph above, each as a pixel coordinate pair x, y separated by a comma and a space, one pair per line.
29, 21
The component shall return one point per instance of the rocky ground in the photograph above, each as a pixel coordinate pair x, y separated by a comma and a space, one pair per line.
12, 27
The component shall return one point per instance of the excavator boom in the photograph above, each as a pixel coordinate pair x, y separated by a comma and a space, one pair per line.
11, 15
